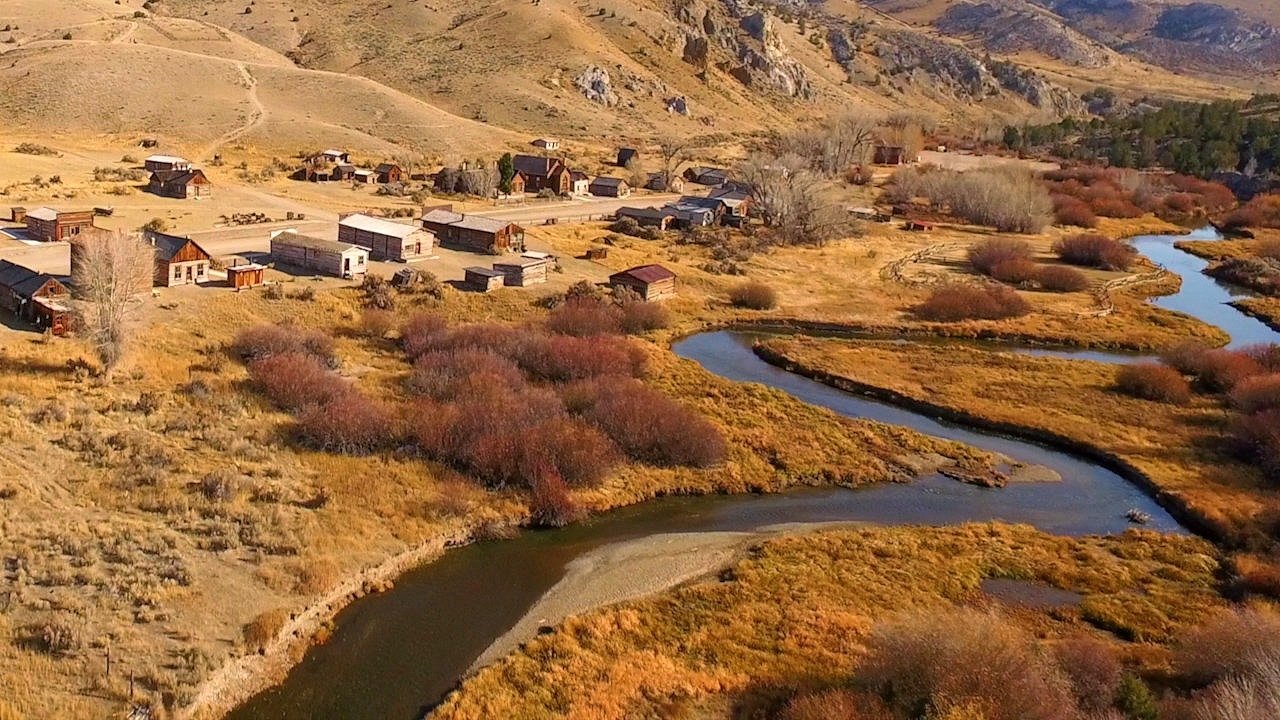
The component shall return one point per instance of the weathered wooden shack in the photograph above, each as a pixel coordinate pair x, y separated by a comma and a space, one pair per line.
240, 277
50, 225
385, 239
179, 260
604, 186
523, 271
180, 184
324, 256
650, 282
889, 155
165, 163
34, 297
474, 233
482, 279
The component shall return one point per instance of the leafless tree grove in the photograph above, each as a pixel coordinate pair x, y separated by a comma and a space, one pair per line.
835, 145
111, 270
791, 198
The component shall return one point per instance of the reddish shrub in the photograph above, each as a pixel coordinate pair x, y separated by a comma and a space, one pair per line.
581, 455
1068, 210
1092, 670
1114, 207
1151, 381
296, 380
952, 303
1258, 393
583, 317
1180, 202
1095, 251
1268, 356
1258, 438
1061, 279
563, 358
754, 295
420, 333
263, 341
1222, 370
1185, 357
648, 425
550, 504
1262, 211
986, 255
836, 705
642, 317
1253, 273
1236, 643
1018, 271
444, 374
349, 423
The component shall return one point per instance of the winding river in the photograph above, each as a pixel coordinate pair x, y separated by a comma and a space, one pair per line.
395, 655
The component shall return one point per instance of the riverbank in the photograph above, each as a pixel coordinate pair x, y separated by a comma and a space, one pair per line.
1168, 449
795, 611
1266, 310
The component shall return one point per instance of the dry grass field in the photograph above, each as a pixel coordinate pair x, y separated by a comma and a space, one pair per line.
796, 611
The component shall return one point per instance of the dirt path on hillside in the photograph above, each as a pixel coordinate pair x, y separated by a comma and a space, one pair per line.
256, 118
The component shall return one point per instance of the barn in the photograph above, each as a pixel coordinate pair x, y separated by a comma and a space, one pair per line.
35, 297
385, 239
324, 256
523, 271
650, 282
179, 260
605, 186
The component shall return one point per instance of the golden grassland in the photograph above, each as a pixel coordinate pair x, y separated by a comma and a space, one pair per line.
1181, 449
183, 488
865, 283
1265, 309
794, 611
121, 536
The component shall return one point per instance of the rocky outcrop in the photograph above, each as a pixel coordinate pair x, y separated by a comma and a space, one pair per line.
741, 42
595, 85
1004, 27
1035, 89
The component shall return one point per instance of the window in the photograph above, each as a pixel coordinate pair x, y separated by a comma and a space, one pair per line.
177, 272
360, 260
200, 270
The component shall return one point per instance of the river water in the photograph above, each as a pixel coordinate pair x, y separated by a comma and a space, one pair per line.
395, 655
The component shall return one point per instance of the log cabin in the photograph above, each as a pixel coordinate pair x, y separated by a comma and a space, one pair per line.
385, 239
482, 279
34, 297
179, 260
165, 163
605, 186
389, 173
650, 282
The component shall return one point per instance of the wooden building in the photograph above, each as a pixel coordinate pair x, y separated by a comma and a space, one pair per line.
523, 271
240, 277
647, 216
627, 155
181, 184
50, 225
605, 186
546, 144
579, 183
707, 175
650, 282
482, 279
473, 232
17, 214
889, 155
35, 297
384, 239
917, 225
324, 256
389, 173
179, 260
543, 173
661, 183
165, 163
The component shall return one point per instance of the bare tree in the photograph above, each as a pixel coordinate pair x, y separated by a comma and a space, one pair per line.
791, 199
482, 179
110, 270
907, 129
836, 145
672, 150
